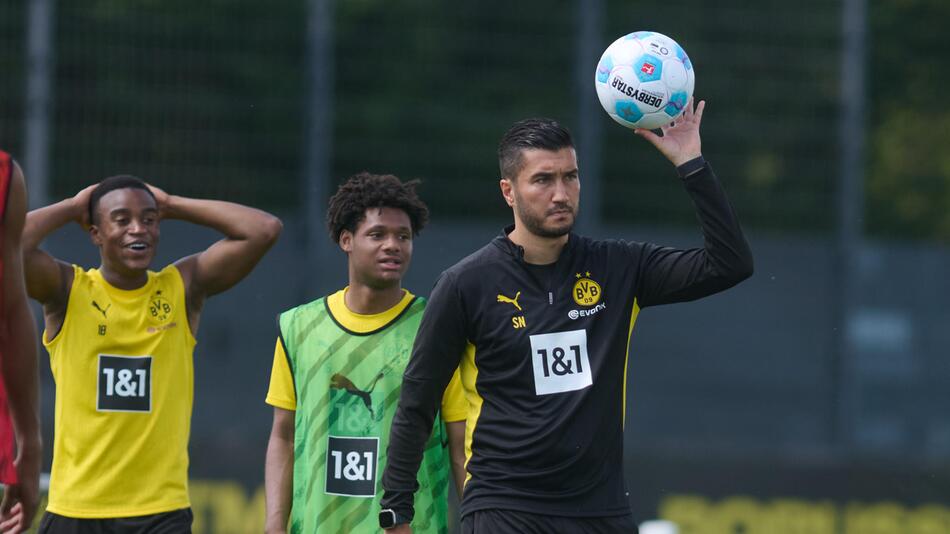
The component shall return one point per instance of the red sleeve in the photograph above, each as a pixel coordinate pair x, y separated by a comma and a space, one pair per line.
6, 173
7, 471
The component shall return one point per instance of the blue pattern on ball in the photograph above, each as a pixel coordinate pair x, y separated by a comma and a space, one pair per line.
676, 104
637, 35
603, 69
628, 111
681, 54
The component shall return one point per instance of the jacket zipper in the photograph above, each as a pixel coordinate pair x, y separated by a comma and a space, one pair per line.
552, 280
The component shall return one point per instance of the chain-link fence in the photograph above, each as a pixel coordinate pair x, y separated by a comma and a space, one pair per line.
211, 100
214, 99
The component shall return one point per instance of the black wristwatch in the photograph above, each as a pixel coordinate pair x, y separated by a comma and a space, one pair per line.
388, 518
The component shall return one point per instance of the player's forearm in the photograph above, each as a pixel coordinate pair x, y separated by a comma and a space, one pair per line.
456, 432
458, 476
438, 347
674, 275
411, 427
43, 221
235, 221
725, 244
278, 481
21, 375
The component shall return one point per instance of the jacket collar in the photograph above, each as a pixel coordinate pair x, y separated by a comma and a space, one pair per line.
509, 247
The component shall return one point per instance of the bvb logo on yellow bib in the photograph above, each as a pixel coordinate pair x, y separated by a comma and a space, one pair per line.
159, 310
586, 292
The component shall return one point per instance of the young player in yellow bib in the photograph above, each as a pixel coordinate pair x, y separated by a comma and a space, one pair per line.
337, 374
120, 340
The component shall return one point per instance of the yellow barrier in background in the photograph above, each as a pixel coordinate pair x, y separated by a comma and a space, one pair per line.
699, 515
225, 507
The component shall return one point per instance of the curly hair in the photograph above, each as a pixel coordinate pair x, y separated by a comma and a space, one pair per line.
363, 191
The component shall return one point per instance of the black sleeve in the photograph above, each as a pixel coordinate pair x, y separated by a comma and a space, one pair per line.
674, 275
436, 353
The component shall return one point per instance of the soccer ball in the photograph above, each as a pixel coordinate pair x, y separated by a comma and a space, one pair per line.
644, 80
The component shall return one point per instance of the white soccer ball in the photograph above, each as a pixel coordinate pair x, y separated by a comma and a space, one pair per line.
644, 80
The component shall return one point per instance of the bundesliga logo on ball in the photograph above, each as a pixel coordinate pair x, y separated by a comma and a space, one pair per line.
644, 80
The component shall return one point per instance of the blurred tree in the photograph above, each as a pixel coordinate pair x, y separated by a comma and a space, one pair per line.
909, 142
768, 73
207, 99
425, 89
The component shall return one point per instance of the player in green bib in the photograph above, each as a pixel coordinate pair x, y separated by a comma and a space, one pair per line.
337, 373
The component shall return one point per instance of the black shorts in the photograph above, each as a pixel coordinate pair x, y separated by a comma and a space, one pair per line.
174, 522
496, 521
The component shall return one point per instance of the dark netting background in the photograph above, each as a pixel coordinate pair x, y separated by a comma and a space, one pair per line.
209, 99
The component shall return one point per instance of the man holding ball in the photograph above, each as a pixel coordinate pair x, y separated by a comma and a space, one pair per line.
539, 322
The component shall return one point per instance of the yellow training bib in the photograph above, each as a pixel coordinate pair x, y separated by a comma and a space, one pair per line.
124, 376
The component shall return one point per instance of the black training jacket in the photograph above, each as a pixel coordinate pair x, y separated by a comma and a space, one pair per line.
543, 353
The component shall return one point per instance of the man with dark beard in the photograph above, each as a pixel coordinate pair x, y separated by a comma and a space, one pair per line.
539, 323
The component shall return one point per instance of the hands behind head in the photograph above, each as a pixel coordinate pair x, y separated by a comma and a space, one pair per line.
680, 141
161, 199
81, 204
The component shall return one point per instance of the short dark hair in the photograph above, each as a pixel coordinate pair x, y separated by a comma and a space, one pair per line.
122, 181
536, 133
364, 191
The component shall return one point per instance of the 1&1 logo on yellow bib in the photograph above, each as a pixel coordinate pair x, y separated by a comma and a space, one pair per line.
586, 292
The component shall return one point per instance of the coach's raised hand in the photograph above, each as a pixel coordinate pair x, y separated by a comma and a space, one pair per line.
680, 141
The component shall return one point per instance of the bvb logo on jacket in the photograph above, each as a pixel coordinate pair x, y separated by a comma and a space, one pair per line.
586, 292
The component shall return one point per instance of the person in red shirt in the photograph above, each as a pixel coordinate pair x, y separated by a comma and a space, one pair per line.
20, 442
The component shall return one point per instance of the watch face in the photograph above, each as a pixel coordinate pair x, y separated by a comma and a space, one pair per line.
387, 519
